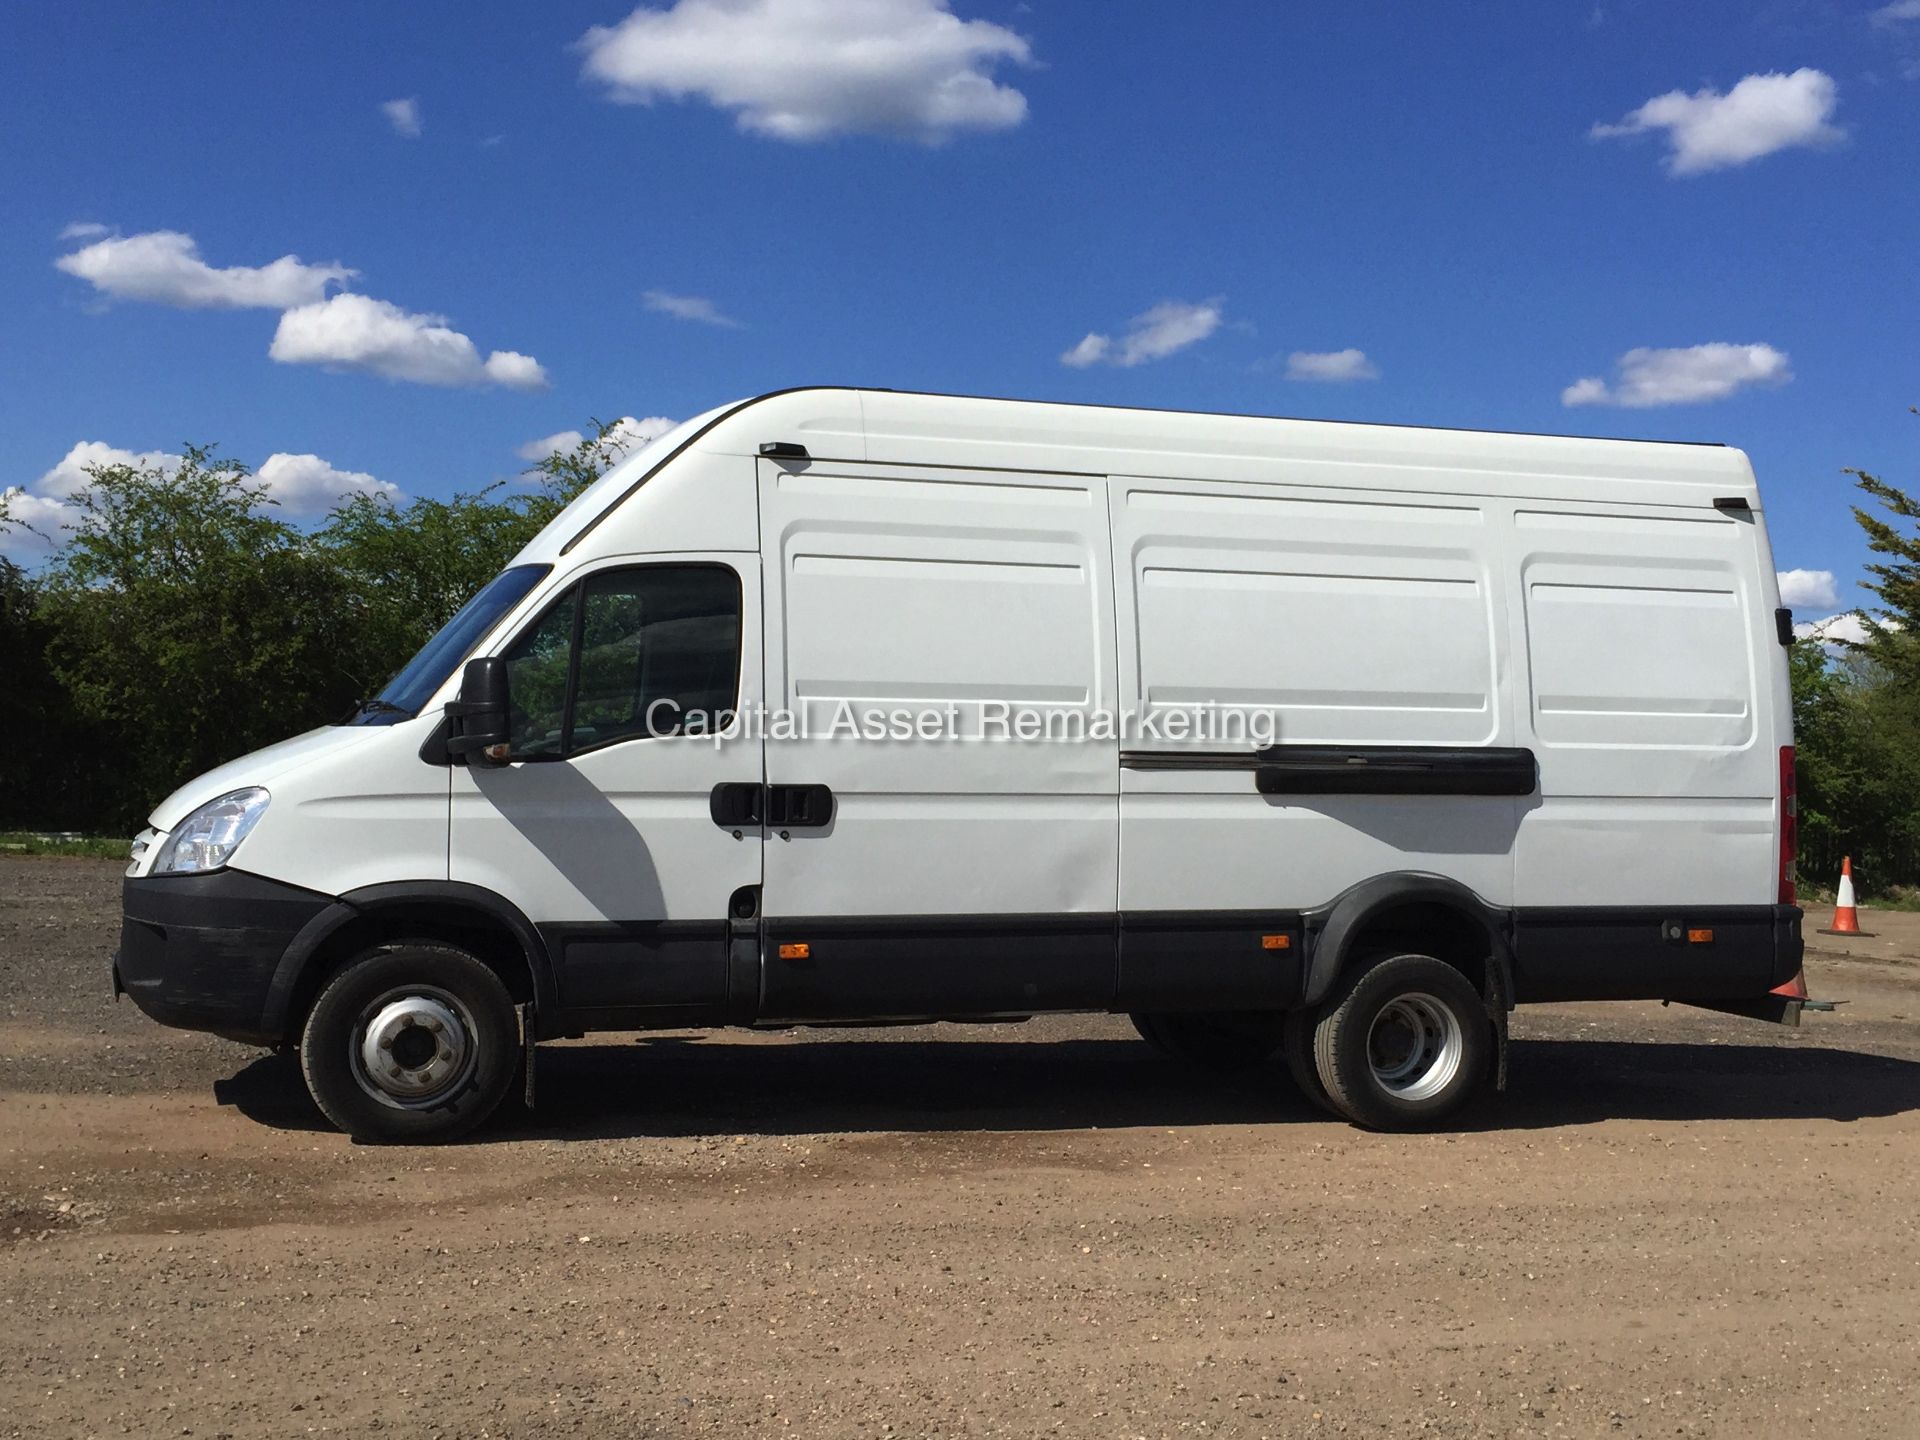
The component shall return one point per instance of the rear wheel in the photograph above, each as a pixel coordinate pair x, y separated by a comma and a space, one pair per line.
1403, 1043
413, 1042
1227, 1041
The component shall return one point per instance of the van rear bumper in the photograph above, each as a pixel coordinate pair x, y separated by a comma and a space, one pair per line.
199, 952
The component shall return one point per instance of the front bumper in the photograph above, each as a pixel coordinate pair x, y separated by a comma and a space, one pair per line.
199, 951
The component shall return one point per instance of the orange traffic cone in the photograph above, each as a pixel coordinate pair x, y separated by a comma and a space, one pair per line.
1846, 918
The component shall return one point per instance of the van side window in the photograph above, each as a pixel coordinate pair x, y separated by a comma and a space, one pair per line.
628, 654
537, 680
665, 638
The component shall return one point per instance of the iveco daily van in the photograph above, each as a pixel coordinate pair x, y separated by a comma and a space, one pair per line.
1329, 742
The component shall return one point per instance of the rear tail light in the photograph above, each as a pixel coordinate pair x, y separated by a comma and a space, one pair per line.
1789, 826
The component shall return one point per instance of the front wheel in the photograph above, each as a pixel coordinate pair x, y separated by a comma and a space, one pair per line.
413, 1042
1402, 1043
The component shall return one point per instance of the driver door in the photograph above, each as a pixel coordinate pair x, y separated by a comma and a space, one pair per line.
599, 828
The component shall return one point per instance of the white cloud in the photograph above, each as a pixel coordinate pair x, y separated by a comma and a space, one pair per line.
688, 307
357, 332
1331, 365
308, 485
1761, 114
511, 369
164, 267
561, 442
1090, 351
1835, 630
809, 69
404, 116
83, 230
627, 434
1151, 335
303, 484
1689, 376
71, 475
1896, 12
1808, 589
32, 524
630, 434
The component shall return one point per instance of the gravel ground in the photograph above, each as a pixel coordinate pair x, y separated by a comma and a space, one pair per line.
1674, 1224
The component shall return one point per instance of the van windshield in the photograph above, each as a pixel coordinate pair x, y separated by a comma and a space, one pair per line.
427, 670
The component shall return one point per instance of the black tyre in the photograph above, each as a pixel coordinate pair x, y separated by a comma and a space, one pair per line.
1296, 1043
1224, 1042
414, 1042
1402, 1043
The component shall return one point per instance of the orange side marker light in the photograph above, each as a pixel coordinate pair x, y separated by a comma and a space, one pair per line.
1276, 942
1699, 937
796, 952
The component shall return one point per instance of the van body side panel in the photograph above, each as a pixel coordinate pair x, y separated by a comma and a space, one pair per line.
898, 596
1335, 619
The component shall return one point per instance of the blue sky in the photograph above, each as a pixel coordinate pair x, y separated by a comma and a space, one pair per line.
957, 204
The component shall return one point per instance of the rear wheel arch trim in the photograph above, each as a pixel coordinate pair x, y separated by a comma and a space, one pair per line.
1335, 928
371, 902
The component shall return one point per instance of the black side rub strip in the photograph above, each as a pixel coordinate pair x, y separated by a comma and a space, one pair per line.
1395, 770
1189, 760
1360, 769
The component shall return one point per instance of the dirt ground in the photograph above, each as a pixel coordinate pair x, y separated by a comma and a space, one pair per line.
1674, 1224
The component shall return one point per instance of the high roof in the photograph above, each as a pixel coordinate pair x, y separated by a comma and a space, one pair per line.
967, 432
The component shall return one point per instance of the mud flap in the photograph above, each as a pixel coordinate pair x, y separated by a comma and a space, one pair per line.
1497, 1010
527, 1044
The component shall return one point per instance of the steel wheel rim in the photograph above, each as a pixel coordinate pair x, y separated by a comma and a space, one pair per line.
1415, 1047
414, 1047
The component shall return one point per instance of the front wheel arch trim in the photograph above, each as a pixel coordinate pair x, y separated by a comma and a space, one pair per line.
370, 902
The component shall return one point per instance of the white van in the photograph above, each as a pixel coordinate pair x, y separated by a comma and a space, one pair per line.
1329, 741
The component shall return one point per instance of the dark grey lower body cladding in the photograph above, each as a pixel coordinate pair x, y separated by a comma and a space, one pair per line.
918, 966
1610, 953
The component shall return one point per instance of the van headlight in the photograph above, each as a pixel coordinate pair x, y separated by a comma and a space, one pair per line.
207, 838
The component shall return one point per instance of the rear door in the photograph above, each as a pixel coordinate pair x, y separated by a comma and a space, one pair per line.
1651, 668
919, 621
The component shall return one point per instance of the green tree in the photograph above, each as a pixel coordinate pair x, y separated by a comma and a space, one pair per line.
41, 786
189, 624
565, 473
1893, 626
1856, 711
182, 622
408, 568
405, 569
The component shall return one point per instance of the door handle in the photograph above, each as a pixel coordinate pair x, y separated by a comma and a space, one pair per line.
736, 804
799, 807
747, 804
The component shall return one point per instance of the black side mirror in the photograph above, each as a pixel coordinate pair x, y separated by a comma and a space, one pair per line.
482, 716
